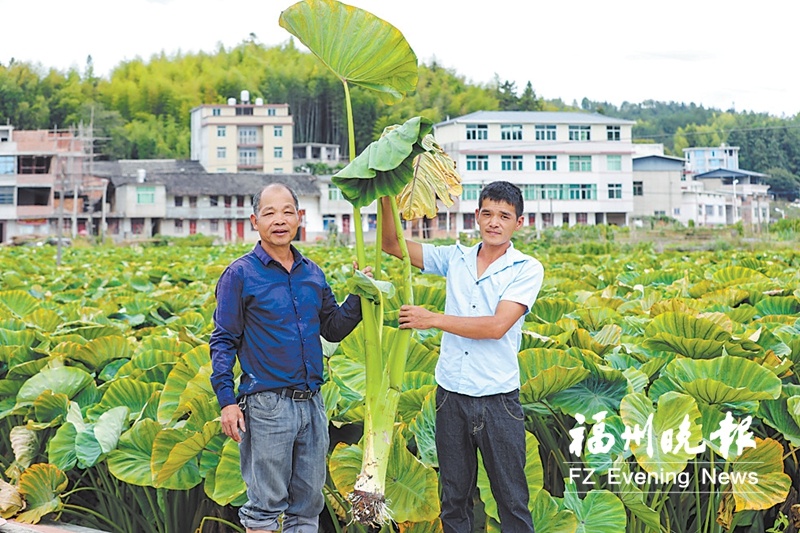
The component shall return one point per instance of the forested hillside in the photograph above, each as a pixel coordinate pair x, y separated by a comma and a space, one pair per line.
141, 110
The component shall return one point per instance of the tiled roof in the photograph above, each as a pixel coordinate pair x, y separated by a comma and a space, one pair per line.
537, 117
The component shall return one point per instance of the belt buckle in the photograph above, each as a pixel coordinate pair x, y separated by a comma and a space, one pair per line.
301, 395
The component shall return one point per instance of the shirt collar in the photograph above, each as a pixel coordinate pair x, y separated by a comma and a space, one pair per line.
509, 257
265, 258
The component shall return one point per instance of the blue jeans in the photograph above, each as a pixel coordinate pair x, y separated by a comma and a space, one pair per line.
282, 457
495, 426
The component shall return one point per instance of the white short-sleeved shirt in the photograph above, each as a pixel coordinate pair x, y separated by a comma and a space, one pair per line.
484, 366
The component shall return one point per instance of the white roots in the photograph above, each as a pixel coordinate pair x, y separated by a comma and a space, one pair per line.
369, 508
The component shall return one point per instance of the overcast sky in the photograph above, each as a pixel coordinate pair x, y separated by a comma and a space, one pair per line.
716, 54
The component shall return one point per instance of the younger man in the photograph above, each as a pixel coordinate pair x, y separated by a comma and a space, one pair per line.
490, 287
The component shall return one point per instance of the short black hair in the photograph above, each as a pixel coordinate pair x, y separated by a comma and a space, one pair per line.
256, 200
503, 191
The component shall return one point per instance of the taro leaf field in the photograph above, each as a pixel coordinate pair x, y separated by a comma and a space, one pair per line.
660, 392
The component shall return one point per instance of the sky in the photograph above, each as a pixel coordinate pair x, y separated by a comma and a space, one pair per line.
725, 55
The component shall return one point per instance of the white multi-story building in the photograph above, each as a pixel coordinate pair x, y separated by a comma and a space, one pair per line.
243, 137
573, 168
701, 159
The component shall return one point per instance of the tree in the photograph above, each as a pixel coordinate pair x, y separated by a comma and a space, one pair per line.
783, 184
528, 101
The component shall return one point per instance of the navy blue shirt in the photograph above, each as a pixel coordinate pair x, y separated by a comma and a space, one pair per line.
273, 320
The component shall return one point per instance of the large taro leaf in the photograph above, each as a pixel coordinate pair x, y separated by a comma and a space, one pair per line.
411, 487
737, 275
547, 518
633, 497
600, 511
435, 177
225, 485
602, 390
777, 414
19, 302
550, 310
70, 381
176, 455
41, 486
547, 371
179, 377
778, 305
757, 477
11, 501
130, 461
130, 393
357, 46
698, 338
97, 353
722, 380
385, 166
534, 473
658, 449
372, 289
423, 427
25, 444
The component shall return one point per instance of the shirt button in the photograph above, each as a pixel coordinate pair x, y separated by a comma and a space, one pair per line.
466, 353
473, 307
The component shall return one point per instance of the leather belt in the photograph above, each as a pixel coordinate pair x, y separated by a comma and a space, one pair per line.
295, 394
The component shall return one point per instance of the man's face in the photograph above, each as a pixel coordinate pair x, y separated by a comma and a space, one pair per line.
497, 221
277, 221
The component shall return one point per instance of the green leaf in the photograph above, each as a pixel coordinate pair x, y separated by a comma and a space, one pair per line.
600, 511
672, 412
423, 426
366, 287
184, 468
547, 518
179, 377
603, 390
385, 166
130, 461
544, 372
723, 379
61, 380
229, 486
61, 447
761, 482
19, 302
41, 486
357, 46
776, 413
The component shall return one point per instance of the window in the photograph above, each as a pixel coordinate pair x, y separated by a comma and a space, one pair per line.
614, 191
582, 192
580, 163
546, 162
277, 131
271, 112
470, 192
8, 164
248, 135
213, 201
222, 153
334, 193
477, 132
710, 210
659, 213
553, 192
137, 226
531, 192
511, 162
580, 133
247, 156
613, 133
245, 110
614, 163
477, 162
6, 195
145, 195
469, 220
227, 200
222, 131
277, 152
216, 112
278, 170
193, 201
638, 188
545, 132
240, 201
676, 211
214, 224
581, 218
179, 226
179, 201
328, 222
511, 132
